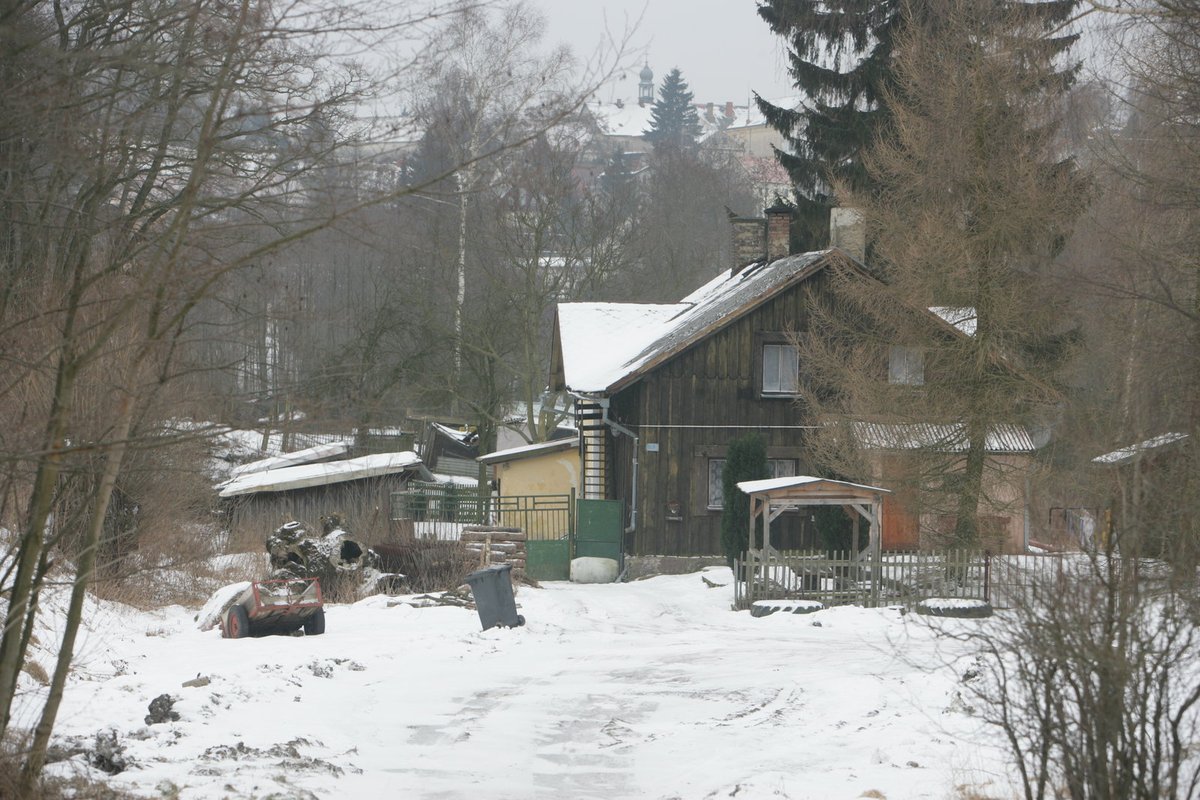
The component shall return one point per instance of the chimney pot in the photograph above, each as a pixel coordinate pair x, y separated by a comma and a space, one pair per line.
779, 231
749, 240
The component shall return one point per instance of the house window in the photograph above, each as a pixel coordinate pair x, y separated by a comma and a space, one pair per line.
780, 369
906, 365
777, 467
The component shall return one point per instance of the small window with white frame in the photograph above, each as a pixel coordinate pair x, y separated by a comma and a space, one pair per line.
906, 365
780, 369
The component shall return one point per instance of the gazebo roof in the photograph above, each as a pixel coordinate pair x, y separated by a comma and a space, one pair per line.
798, 487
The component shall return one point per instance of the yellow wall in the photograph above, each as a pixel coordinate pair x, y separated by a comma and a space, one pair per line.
548, 473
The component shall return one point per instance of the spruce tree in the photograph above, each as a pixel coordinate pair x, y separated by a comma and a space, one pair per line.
840, 55
745, 461
674, 122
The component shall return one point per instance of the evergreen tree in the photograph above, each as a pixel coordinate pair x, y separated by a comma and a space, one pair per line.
745, 461
841, 57
673, 118
617, 176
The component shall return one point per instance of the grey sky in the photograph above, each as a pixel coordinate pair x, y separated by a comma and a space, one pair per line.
722, 46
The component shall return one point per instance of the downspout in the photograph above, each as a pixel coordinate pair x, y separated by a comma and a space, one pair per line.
1028, 491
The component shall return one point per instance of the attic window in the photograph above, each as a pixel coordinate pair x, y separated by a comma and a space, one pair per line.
780, 369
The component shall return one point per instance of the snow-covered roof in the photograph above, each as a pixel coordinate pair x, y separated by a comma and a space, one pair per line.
524, 451
1126, 454
951, 438
962, 318
300, 477
305, 456
750, 116
608, 344
621, 119
455, 434
769, 484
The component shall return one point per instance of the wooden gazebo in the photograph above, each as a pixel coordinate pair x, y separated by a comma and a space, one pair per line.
771, 497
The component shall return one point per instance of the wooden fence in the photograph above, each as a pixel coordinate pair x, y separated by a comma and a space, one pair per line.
903, 578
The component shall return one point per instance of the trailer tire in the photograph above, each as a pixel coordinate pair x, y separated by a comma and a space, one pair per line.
237, 623
315, 625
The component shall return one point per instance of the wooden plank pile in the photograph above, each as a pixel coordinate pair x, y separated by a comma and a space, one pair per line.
497, 545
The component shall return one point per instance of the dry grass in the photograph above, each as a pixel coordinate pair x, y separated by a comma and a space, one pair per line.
75, 787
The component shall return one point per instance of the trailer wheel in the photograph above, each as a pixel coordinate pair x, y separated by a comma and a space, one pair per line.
315, 625
237, 623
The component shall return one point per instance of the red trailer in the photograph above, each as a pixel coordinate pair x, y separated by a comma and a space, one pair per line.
279, 606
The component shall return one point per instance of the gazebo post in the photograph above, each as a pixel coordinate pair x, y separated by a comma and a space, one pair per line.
876, 549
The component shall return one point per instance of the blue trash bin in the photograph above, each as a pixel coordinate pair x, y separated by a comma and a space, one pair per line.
492, 589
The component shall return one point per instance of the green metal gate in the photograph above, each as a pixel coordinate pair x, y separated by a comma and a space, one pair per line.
600, 529
549, 523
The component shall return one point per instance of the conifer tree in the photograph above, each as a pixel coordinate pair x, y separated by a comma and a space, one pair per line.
841, 58
745, 461
674, 122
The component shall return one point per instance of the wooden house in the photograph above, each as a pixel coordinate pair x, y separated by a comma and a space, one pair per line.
662, 390
359, 489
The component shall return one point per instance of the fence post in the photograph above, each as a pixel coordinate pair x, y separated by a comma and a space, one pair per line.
987, 576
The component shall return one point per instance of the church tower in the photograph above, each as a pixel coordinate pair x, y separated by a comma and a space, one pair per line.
646, 86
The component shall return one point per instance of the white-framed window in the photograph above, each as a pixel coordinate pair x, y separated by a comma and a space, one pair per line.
906, 365
780, 369
778, 468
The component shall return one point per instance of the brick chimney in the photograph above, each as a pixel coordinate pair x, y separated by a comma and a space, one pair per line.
749, 240
779, 231
729, 110
848, 231
708, 113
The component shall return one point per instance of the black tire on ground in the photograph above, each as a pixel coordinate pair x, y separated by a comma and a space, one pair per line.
520, 620
237, 623
315, 625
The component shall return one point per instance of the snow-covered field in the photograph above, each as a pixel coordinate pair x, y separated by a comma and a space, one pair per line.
651, 689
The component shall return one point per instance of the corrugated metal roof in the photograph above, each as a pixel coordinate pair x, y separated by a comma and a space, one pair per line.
950, 438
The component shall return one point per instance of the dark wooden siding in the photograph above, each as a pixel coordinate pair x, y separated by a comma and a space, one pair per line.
692, 407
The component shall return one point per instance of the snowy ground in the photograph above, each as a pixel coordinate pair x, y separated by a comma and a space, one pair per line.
652, 689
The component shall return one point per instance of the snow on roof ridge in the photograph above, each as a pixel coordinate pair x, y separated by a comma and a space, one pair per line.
1126, 453
768, 484
291, 459
564, 443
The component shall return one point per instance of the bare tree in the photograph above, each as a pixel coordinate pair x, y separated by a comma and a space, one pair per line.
149, 151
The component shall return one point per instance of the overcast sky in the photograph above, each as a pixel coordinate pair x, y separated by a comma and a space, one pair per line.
722, 46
